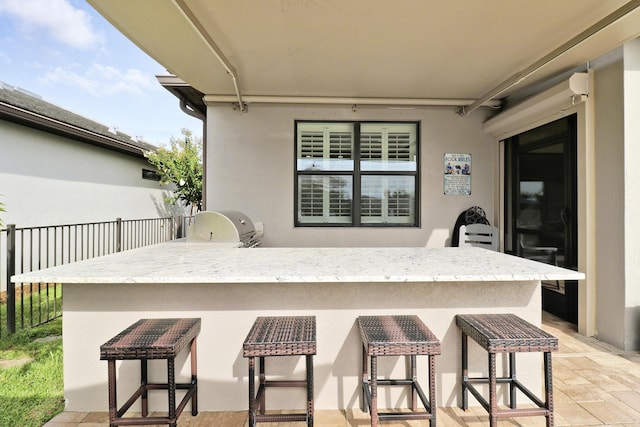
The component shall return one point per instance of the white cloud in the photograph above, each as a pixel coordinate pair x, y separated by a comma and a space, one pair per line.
104, 80
66, 23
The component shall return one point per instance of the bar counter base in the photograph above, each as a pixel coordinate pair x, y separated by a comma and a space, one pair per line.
92, 312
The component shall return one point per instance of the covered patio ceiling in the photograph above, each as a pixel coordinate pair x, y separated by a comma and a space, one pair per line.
407, 52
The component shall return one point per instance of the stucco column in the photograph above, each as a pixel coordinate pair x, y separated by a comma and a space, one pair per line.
631, 83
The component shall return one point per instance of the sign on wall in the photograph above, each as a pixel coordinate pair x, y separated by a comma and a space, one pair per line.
457, 174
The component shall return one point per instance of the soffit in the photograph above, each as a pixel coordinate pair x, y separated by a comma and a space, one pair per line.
367, 48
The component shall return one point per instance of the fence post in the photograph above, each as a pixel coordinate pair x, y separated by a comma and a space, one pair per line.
179, 227
11, 287
118, 234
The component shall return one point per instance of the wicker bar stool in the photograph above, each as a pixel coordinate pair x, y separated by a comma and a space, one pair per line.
506, 333
153, 339
279, 336
397, 336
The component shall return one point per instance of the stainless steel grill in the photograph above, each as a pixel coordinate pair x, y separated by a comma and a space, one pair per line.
226, 227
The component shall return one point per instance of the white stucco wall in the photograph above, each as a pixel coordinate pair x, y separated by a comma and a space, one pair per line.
46, 179
251, 169
617, 85
609, 154
631, 81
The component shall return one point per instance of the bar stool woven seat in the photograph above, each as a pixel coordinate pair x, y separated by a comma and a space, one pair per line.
506, 333
153, 339
397, 336
279, 336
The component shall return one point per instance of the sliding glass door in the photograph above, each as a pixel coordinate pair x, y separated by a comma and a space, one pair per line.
541, 222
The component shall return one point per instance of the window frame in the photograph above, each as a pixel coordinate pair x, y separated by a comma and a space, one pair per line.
356, 175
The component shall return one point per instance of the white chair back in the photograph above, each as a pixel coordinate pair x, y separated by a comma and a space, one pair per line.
479, 235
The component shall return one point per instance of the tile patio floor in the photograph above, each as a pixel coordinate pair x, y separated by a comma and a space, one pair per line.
595, 384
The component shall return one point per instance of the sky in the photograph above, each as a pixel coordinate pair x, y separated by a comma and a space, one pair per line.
67, 53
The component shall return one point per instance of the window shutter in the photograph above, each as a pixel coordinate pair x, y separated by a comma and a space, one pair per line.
310, 197
387, 199
399, 146
371, 146
399, 201
339, 201
311, 144
371, 201
325, 198
340, 145
325, 141
396, 146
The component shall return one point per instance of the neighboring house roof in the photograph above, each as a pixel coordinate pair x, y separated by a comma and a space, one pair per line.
20, 106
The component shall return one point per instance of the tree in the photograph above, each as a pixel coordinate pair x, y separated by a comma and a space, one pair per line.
181, 165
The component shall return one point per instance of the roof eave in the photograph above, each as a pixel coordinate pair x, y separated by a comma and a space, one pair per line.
186, 94
40, 122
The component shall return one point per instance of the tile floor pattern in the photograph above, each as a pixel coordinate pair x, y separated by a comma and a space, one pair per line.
595, 384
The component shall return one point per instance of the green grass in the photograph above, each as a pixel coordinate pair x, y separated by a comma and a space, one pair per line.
32, 394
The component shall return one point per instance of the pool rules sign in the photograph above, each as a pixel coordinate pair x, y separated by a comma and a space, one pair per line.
457, 174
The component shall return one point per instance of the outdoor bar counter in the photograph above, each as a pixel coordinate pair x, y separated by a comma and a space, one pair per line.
229, 287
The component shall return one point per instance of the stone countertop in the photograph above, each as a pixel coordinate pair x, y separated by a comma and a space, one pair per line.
191, 262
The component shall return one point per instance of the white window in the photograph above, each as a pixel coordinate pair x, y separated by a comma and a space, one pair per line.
356, 173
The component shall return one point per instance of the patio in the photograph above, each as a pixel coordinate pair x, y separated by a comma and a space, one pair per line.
594, 384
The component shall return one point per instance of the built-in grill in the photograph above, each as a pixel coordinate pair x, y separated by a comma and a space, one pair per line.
224, 227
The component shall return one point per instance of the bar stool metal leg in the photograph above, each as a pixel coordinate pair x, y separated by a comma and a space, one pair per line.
194, 378
143, 382
512, 380
493, 398
465, 373
171, 375
432, 390
365, 380
252, 391
262, 389
414, 379
113, 399
310, 398
374, 391
548, 388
